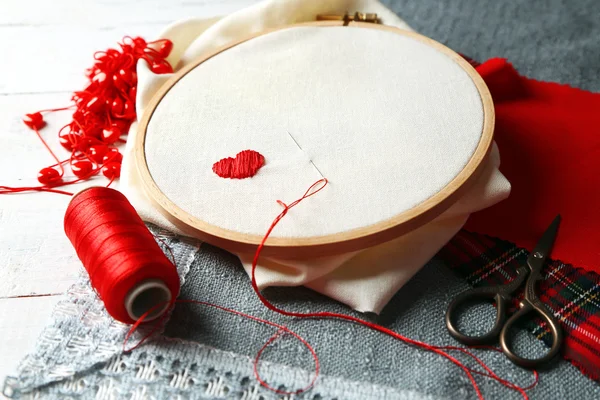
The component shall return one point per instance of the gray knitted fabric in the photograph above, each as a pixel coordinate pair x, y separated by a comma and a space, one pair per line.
207, 353
81, 353
549, 40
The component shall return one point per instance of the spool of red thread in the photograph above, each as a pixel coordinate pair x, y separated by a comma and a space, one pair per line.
127, 268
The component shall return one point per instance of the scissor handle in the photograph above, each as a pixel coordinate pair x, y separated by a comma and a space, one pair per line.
474, 296
534, 306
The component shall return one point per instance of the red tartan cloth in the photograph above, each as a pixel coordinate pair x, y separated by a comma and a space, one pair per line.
549, 140
573, 294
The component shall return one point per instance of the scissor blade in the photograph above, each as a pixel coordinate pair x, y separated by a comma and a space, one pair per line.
544, 245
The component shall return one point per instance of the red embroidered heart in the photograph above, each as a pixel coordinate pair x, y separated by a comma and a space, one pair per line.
245, 165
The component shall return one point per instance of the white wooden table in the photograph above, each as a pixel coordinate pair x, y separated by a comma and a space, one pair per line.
45, 47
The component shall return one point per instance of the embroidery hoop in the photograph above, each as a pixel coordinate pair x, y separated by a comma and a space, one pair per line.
343, 242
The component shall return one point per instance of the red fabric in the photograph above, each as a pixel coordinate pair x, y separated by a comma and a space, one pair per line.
549, 140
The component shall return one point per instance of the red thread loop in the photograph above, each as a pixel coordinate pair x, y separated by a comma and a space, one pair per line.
281, 328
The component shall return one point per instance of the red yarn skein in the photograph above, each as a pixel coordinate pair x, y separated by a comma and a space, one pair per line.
127, 268
102, 112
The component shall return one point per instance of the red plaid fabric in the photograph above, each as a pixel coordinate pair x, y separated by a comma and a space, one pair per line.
572, 293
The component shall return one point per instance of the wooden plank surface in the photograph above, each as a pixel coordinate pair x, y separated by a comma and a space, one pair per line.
45, 49
22, 321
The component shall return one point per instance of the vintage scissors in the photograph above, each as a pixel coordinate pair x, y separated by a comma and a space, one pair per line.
502, 296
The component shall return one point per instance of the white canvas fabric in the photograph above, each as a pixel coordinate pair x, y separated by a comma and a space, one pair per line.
364, 280
388, 129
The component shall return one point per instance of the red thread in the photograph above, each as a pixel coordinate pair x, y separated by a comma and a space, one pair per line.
312, 190
119, 252
281, 328
245, 165
103, 112
115, 247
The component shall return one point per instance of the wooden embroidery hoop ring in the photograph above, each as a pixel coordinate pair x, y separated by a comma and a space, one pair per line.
339, 243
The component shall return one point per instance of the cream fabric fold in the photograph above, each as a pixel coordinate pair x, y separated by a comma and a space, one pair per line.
364, 280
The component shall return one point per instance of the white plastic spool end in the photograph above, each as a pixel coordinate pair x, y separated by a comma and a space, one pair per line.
148, 295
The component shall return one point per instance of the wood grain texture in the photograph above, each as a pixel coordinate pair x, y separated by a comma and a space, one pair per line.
338, 243
46, 47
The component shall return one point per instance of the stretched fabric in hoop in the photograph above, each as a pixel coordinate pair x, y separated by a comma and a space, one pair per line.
348, 278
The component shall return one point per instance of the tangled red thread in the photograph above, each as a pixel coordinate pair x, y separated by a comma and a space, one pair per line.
440, 350
443, 351
103, 113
